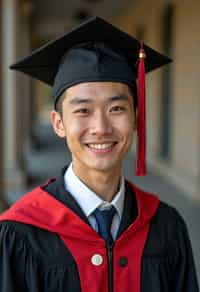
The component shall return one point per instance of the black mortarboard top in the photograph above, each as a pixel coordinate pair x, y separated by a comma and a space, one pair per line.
44, 63
94, 51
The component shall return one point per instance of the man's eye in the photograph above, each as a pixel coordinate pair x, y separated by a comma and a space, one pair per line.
118, 108
82, 111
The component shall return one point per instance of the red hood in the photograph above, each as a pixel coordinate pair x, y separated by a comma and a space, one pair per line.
39, 208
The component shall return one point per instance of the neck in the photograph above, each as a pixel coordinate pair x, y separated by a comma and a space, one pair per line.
104, 184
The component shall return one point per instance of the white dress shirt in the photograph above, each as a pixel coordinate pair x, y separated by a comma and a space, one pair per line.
89, 201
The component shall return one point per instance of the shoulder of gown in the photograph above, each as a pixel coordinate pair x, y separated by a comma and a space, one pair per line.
168, 251
32, 259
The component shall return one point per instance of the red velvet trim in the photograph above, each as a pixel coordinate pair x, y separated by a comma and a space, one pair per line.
40, 209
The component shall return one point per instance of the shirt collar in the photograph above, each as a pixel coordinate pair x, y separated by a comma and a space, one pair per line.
87, 199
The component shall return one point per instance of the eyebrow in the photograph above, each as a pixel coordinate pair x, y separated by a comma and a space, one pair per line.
82, 100
119, 97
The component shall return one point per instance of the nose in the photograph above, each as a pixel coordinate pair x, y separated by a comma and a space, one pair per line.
100, 124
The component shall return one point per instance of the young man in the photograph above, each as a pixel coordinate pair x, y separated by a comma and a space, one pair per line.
91, 230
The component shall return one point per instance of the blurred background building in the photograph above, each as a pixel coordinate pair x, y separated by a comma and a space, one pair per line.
30, 152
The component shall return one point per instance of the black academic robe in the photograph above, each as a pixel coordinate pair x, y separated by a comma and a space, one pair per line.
36, 259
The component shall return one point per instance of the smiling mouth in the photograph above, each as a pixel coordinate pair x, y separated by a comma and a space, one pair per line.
101, 146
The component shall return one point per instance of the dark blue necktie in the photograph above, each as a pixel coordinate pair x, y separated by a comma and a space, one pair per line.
104, 220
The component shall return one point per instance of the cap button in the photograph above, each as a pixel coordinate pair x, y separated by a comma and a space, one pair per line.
123, 261
142, 54
97, 259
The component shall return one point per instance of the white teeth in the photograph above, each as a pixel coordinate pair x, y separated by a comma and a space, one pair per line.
100, 146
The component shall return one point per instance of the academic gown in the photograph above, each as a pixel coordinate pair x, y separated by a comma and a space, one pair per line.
47, 245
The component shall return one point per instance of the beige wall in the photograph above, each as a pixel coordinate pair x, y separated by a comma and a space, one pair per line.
185, 164
1, 164
187, 89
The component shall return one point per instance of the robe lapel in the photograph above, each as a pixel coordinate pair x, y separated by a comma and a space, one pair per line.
57, 190
129, 213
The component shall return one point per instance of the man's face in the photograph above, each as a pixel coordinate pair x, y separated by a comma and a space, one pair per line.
98, 122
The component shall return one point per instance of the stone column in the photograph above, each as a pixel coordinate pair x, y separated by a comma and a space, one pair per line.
1, 154
13, 175
3, 204
23, 107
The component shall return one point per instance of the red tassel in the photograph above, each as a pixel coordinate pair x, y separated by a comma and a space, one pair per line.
141, 118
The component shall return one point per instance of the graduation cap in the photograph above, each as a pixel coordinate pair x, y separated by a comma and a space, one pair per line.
96, 51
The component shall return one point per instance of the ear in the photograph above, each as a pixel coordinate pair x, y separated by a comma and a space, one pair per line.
57, 123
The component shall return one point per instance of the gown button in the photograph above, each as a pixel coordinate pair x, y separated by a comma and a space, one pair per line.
97, 259
123, 261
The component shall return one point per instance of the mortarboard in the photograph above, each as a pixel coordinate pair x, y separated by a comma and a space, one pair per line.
96, 51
